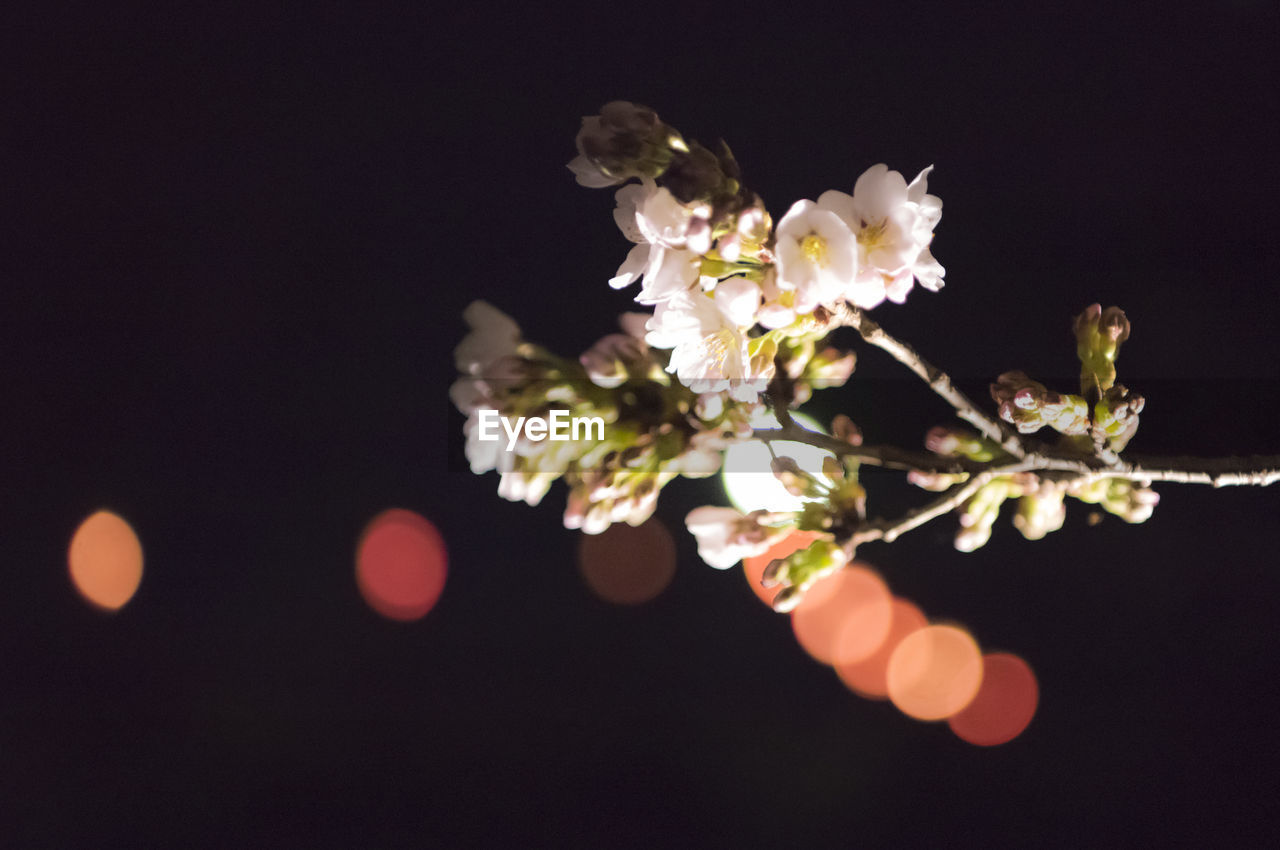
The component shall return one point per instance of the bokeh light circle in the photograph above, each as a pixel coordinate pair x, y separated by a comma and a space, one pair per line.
105, 560
934, 673
869, 677
1004, 705
401, 565
628, 565
845, 617
748, 479
754, 567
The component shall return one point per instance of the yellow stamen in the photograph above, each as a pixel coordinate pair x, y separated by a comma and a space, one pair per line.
815, 248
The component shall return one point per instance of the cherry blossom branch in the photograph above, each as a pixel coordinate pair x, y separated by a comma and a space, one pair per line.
1219, 472
1253, 470
889, 457
938, 381
888, 531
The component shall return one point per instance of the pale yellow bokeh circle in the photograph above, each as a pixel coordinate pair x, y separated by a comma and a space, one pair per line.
934, 672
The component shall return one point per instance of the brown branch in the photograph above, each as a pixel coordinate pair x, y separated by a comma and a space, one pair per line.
889, 457
1254, 470
888, 531
938, 381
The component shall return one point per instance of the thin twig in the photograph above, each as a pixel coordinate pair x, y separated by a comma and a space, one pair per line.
1254, 470
940, 382
889, 457
947, 502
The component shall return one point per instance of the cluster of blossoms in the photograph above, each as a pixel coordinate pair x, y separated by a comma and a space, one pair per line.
1041, 507
1103, 414
652, 428
727, 287
737, 304
834, 503
740, 310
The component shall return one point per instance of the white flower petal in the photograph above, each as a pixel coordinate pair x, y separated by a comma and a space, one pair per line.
493, 335
918, 187
738, 299
775, 316
662, 219
632, 267
669, 271
628, 199
588, 175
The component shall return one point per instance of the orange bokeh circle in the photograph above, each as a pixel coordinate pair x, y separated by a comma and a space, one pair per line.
628, 565
105, 560
868, 677
934, 673
845, 617
1005, 703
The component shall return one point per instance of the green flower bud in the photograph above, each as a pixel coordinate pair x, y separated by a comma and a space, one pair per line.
1131, 502
979, 514
1040, 513
1029, 406
801, 569
625, 140
762, 350
1116, 416
957, 442
830, 367
1098, 336
695, 174
797, 481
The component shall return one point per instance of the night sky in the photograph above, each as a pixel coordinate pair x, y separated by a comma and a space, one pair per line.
236, 248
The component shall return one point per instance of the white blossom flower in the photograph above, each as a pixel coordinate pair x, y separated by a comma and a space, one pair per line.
817, 255
893, 223
776, 312
484, 455
664, 254
725, 536
493, 335
486, 357
588, 174
607, 361
706, 335
527, 487
661, 219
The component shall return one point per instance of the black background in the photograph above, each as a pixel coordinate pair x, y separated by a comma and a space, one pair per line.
236, 247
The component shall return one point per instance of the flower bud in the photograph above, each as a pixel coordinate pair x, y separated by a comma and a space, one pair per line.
787, 599
1116, 416
830, 367
1040, 513
625, 140
1098, 336
934, 482
694, 174
607, 361
799, 570
1131, 502
844, 429
796, 481
957, 442
1029, 406
979, 514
